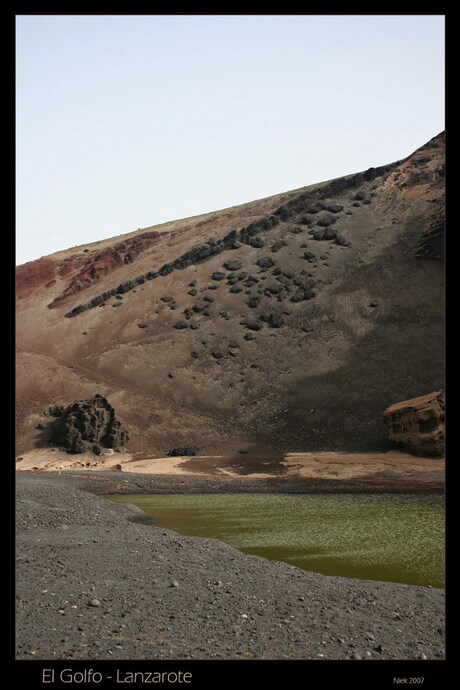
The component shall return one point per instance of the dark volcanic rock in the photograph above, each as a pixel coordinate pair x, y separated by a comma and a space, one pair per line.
326, 220
257, 242
266, 262
335, 208
274, 319
182, 450
253, 325
298, 296
233, 265
88, 425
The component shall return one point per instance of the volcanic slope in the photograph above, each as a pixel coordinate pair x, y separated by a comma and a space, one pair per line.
290, 322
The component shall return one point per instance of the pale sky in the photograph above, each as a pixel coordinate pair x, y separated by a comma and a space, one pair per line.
128, 121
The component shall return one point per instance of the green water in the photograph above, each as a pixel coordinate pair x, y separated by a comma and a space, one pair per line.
389, 537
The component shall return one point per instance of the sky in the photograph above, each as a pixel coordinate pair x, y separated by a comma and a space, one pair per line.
129, 121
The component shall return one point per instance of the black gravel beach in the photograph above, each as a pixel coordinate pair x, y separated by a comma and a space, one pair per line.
97, 580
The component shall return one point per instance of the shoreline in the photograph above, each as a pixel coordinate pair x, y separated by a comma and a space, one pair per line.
115, 483
90, 571
327, 472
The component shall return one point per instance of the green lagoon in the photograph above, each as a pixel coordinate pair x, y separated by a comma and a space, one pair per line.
387, 537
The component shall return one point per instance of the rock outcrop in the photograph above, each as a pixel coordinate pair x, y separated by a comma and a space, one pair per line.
418, 424
88, 425
182, 450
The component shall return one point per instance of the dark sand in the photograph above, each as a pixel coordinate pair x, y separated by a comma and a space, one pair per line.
95, 580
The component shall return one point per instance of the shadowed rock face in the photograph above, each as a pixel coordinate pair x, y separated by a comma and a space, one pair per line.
418, 424
89, 425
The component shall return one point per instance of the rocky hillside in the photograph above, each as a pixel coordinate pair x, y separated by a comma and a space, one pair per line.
291, 322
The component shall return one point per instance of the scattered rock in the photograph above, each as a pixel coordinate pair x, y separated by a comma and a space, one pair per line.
233, 265
315, 208
218, 275
183, 450
265, 262
326, 219
334, 208
273, 319
253, 325
180, 325
273, 289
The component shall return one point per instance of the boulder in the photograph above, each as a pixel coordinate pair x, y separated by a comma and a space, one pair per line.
326, 220
233, 265
418, 424
88, 425
265, 262
182, 450
257, 242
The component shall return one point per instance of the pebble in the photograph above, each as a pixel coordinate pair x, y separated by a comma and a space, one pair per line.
94, 602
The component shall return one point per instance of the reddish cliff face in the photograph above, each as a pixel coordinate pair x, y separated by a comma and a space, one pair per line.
34, 275
99, 264
418, 424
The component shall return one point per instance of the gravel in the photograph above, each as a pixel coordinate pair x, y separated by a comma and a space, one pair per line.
96, 580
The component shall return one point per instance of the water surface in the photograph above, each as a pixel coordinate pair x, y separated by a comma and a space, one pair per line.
389, 537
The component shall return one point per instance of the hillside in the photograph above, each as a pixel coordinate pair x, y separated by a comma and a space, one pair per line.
289, 323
